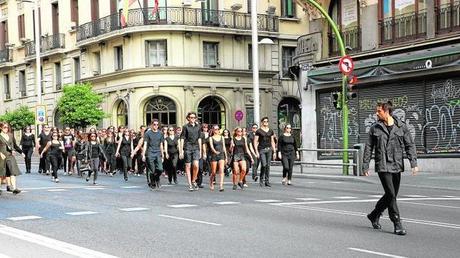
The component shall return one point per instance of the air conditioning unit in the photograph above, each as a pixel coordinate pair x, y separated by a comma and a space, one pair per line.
186, 2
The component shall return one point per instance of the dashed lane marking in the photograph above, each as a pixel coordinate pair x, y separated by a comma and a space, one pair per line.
80, 213
135, 209
182, 205
267, 201
130, 187
23, 218
226, 203
336, 182
432, 205
307, 199
375, 195
364, 201
94, 188
375, 253
57, 190
415, 196
345, 197
190, 220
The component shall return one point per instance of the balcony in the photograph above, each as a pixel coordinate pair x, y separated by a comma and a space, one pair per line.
448, 18
5, 56
402, 28
47, 43
177, 16
351, 38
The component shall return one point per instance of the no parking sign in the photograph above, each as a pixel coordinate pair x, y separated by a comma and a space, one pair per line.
40, 114
346, 65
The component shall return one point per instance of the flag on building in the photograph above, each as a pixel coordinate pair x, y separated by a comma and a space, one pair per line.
155, 7
124, 14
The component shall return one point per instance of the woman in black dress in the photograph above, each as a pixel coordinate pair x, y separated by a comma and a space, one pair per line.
240, 150
228, 141
218, 157
287, 153
110, 148
27, 145
55, 149
124, 150
172, 155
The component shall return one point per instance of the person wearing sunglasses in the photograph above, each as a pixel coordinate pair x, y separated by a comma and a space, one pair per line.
239, 149
54, 150
153, 147
265, 147
42, 140
171, 145
8, 165
191, 149
27, 145
287, 153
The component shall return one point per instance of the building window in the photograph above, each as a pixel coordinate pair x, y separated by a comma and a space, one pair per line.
118, 52
74, 11
161, 108
22, 83
76, 67
211, 110
6, 86
250, 56
156, 53
94, 10
58, 76
55, 17
346, 14
3, 37
97, 63
288, 53
122, 114
211, 54
288, 8
21, 27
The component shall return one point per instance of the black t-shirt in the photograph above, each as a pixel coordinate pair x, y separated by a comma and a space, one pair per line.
265, 138
43, 139
172, 145
68, 141
27, 141
154, 140
287, 144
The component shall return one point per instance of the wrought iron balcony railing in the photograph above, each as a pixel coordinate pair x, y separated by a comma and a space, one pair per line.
4, 55
448, 18
351, 38
176, 16
403, 27
47, 43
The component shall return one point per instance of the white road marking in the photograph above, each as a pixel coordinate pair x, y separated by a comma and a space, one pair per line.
365, 200
226, 203
190, 220
23, 218
135, 209
345, 197
267, 201
94, 188
182, 205
57, 190
415, 196
375, 195
449, 196
130, 187
52, 243
432, 205
361, 214
80, 213
54, 187
4, 256
307, 199
376, 253
335, 182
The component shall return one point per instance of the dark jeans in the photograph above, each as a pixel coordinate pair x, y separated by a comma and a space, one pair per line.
255, 166
288, 164
171, 167
154, 168
44, 162
111, 162
28, 157
390, 183
126, 160
67, 156
265, 160
94, 165
54, 160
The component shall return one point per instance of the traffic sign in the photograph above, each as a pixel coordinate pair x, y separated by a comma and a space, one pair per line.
40, 114
346, 65
239, 115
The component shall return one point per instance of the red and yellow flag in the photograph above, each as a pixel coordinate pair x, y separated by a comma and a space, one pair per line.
124, 14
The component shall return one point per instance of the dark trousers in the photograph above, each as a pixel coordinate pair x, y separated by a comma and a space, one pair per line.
111, 162
67, 163
54, 160
171, 167
390, 183
255, 166
44, 162
154, 168
265, 160
94, 166
126, 160
28, 157
288, 164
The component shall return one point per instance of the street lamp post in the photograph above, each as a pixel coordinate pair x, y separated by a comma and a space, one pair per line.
37, 54
255, 62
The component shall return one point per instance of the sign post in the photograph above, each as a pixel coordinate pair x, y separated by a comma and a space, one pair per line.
40, 114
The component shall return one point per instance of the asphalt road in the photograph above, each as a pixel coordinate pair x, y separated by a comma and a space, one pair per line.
311, 218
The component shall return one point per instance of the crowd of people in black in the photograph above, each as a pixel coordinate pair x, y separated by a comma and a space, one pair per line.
193, 150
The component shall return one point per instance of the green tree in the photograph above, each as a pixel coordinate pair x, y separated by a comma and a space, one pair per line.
19, 118
79, 106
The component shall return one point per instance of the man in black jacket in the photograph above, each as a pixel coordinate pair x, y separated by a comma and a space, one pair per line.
390, 137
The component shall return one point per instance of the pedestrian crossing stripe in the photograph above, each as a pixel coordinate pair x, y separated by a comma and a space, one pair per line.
23, 218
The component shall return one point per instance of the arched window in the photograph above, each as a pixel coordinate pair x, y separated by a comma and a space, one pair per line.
161, 108
211, 110
289, 113
346, 14
122, 113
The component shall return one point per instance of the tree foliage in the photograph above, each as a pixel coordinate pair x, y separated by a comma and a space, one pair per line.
79, 106
19, 118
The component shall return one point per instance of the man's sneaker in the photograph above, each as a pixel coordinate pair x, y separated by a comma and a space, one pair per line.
56, 180
399, 230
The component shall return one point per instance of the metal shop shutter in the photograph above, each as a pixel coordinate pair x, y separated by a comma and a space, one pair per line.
408, 102
442, 122
329, 122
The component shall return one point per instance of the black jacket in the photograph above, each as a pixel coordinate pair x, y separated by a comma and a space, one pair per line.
389, 147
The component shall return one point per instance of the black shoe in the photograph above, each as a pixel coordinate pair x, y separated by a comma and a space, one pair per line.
256, 178
268, 184
0, 191
87, 179
126, 179
374, 221
240, 184
234, 187
175, 181
8, 189
27, 172
200, 186
399, 230
16, 191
